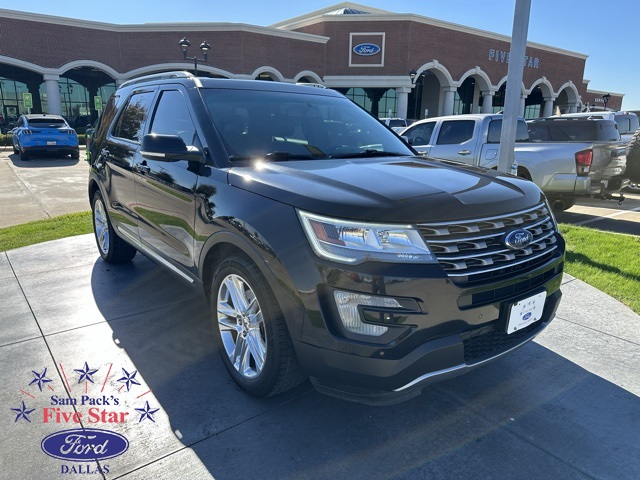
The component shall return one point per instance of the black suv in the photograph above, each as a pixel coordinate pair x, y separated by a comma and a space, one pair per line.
325, 246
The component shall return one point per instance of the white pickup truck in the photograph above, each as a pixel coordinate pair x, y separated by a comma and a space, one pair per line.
564, 171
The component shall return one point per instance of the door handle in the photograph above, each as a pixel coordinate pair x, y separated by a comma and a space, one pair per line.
464, 152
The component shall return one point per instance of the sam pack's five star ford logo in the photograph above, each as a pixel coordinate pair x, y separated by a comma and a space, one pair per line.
91, 408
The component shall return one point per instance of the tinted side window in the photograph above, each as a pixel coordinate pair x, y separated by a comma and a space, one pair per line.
454, 132
538, 133
134, 117
627, 123
495, 130
420, 134
172, 117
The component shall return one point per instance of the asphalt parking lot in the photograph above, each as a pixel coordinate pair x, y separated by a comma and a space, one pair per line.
564, 406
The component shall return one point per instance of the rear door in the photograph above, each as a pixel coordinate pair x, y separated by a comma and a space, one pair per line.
118, 155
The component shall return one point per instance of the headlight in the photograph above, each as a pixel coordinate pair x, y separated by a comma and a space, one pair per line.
358, 242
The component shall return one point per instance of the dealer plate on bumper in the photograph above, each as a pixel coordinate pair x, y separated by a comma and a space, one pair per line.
525, 312
51, 142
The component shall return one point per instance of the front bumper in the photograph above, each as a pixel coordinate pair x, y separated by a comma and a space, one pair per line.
445, 331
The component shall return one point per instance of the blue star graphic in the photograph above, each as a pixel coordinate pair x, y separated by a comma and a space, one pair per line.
85, 374
129, 379
147, 412
23, 412
40, 378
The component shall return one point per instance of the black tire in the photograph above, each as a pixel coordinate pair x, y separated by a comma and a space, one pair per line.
252, 334
111, 247
560, 204
524, 173
15, 150
75, 155
24, 156
633, 159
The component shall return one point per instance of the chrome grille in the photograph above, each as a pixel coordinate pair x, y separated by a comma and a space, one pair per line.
474, 248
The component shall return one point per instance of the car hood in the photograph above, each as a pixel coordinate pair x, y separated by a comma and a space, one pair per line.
390, 189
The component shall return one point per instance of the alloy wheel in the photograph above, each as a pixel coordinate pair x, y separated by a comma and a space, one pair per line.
241, 325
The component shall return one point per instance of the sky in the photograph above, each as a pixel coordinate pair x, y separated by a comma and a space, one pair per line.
605, 31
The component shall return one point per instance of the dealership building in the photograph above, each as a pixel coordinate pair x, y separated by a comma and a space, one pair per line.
393, 64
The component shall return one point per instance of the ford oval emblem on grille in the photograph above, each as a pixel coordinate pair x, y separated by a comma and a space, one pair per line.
518, 239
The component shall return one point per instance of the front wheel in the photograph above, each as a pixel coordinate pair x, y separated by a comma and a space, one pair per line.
252, 336
112, 248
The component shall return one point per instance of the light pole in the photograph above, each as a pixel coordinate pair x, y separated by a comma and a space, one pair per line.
204, 47
605, 99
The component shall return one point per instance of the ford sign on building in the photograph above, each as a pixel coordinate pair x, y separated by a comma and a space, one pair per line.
366, 49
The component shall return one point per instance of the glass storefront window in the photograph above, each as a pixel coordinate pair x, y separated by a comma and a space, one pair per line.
11, 103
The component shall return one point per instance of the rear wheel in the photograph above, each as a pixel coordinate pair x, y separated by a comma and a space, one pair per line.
15, 150
112, 248
24, 156
75, 155
560, 204
252, 336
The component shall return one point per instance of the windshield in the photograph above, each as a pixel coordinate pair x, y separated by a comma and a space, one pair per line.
282, 126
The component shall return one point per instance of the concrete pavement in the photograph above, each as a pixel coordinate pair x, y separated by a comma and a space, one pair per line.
564, 406
41, 188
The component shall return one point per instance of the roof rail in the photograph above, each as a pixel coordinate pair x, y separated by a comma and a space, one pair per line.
309, 84
157, 76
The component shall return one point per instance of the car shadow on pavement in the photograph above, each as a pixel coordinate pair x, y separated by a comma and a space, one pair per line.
533, 414
600, 223
42, 161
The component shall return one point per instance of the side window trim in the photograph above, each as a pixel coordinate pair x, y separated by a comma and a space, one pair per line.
156, 103
145, 124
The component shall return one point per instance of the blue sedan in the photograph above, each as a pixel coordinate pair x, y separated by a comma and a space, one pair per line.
41, 133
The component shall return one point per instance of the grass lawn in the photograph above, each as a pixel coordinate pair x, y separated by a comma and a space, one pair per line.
608, 261
45, 230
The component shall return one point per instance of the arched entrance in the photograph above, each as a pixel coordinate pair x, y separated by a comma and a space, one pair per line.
433, 92
567, 100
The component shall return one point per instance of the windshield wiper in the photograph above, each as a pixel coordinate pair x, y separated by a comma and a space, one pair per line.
273, 156
284, 156
371, 153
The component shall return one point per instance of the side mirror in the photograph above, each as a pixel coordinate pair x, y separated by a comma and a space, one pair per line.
168, 148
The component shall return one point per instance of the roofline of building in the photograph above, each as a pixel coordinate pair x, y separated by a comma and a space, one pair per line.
601, 92
183, 27
377, 15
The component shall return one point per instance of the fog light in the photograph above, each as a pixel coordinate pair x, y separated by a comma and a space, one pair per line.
348, 302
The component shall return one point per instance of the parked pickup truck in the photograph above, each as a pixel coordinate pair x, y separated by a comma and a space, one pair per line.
564, 171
